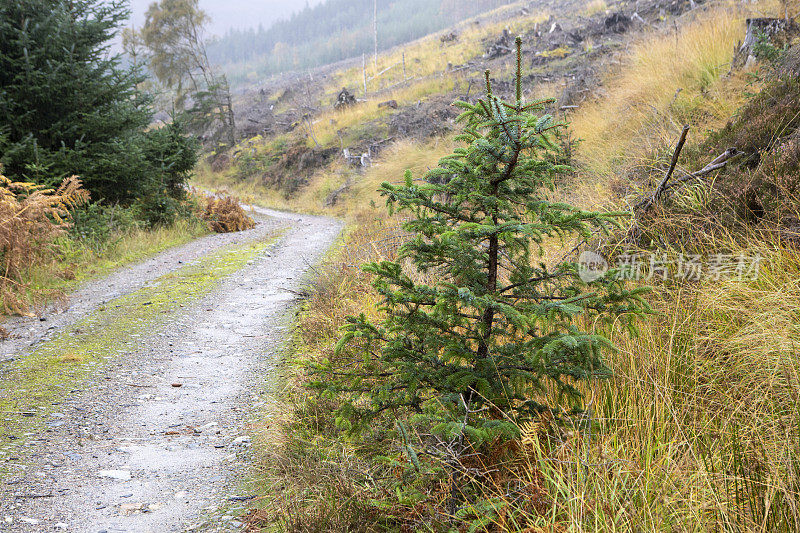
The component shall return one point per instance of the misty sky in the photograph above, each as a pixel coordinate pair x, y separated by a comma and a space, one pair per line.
227, 14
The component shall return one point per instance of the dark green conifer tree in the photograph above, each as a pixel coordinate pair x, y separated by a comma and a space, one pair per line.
68, 106
497, 329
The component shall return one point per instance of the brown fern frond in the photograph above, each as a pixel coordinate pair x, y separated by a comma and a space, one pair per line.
225, 215
31, 218
72, 194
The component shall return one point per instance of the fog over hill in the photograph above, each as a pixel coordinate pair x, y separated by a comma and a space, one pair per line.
334, 30
228, 14
246, 42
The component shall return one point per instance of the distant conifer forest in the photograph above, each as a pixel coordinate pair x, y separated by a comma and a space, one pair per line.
335, 30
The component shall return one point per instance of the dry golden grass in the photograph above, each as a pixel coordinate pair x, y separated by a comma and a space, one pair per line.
404, 155
363, 187
594, 7
668, 79
698, 429
430, 57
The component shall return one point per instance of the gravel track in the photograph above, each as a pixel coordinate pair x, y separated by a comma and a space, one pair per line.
183, 447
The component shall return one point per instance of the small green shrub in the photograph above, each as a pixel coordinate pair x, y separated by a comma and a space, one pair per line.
765, 50
95, 224
162, 209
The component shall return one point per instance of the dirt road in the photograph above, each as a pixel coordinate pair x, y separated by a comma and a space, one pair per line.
129, 412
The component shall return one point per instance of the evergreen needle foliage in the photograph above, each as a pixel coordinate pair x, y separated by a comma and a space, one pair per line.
69, 106
497, 330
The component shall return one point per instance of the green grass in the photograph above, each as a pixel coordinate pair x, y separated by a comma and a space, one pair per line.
74, 261
84, 262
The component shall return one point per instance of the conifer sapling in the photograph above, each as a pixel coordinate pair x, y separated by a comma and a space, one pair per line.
499, 329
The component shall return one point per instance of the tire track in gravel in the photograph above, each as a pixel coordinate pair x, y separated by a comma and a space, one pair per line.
182, 448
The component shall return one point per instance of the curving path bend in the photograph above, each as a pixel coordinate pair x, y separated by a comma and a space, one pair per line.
128, 450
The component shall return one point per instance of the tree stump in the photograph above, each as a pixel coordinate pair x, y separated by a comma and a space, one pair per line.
500, 47
345, 99
776, 31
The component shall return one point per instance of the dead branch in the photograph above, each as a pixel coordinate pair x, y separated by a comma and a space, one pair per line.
647, 203
719, 163
716, 164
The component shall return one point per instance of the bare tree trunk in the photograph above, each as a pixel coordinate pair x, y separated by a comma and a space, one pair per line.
364, 59
231, 118
375, 31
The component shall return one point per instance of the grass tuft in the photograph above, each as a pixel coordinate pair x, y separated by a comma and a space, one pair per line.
669, 78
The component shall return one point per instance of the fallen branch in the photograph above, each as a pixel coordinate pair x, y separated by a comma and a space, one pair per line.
716, 164
647, 203
720, 162
384, 71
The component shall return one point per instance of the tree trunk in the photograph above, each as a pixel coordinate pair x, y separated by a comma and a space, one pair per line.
375, 30
364, 60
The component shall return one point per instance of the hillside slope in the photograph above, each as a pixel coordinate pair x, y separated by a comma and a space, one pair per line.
335, 30
568, 46
697, 428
